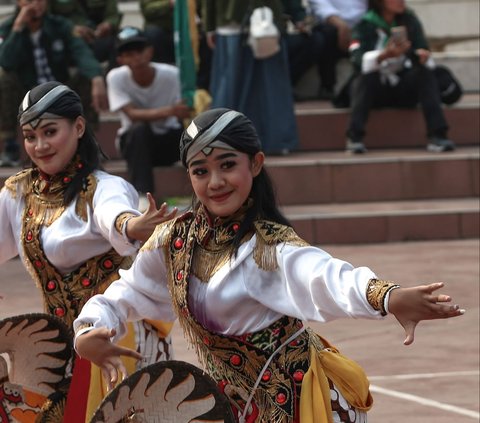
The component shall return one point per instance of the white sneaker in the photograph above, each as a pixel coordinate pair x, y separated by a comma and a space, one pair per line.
143, 203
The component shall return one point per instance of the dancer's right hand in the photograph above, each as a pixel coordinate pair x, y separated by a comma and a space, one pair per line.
95, 345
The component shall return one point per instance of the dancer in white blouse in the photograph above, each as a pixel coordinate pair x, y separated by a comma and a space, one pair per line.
73, 225
242, 284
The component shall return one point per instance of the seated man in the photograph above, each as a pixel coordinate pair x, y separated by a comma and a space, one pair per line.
331, 36
36, 47
394, 68
96, 21
147, 95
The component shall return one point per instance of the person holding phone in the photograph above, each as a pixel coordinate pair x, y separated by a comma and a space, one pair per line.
394, 68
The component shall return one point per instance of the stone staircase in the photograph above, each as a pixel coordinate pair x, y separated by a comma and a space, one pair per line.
396, 192
385, 196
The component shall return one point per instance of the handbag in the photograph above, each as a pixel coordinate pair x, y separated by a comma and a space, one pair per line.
263, 34
449, 87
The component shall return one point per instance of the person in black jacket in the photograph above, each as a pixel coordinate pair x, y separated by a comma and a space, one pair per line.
37, 47
395, 68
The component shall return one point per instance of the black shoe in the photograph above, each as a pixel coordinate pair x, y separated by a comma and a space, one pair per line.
355, 147
440, 144
9, 160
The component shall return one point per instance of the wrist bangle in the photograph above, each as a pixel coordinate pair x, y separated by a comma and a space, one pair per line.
121, 222
377, 291
82, 327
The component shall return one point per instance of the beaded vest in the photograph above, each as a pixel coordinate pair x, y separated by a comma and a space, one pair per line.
63, 295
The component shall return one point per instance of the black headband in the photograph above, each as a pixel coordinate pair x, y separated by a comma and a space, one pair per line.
222, 128
49, 100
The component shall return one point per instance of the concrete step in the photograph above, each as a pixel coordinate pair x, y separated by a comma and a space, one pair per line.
337, 177
391, 221
388, 198
322, 127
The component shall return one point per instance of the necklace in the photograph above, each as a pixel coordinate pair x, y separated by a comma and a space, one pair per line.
214, 242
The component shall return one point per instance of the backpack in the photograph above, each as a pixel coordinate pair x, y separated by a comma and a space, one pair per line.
263, 34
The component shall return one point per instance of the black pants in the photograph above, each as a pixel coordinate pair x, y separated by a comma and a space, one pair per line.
326, 53
143, 150
299, 55
416, 85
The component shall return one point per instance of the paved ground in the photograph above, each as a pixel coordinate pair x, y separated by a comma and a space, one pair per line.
435, 380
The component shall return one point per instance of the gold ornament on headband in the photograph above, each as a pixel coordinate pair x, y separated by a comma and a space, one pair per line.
205, 141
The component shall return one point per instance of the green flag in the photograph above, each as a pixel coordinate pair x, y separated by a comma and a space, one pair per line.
184, 57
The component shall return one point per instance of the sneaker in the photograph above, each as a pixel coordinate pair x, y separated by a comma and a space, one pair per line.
143, 203
355, 147
440, 144
9, 160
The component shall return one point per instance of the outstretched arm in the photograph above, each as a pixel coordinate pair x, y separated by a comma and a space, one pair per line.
411, 305
95, 345
141, 227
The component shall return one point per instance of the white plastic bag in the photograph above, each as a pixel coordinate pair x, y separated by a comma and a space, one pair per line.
264, 36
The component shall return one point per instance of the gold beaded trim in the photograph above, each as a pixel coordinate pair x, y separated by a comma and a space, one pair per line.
121, 220
84, 326
377, 290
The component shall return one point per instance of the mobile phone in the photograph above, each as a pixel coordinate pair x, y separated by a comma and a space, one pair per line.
398, 34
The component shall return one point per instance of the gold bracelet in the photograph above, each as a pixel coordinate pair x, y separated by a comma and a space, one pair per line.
121, 221
377, 291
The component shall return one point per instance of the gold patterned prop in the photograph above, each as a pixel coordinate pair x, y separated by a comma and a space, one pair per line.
167, 391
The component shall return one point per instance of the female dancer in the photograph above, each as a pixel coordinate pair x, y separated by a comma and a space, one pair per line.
242, 284
74, 225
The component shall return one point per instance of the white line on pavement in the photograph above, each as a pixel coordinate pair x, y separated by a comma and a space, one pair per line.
427, 375
425, 401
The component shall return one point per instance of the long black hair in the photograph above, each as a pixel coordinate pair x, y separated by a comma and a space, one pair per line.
55, 99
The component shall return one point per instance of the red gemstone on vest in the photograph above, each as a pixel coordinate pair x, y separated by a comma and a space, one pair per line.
51, 285
266, 375
86, 282
67, 179
38, 264
80, 166
235, 227
298, 376
60, 312
30, 212
178, 243
294, 343
206, 340
108, 264
235, 360
179, 275
29, 236
281, 398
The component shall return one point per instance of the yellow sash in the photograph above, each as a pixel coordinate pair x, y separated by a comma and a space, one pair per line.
347, 376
